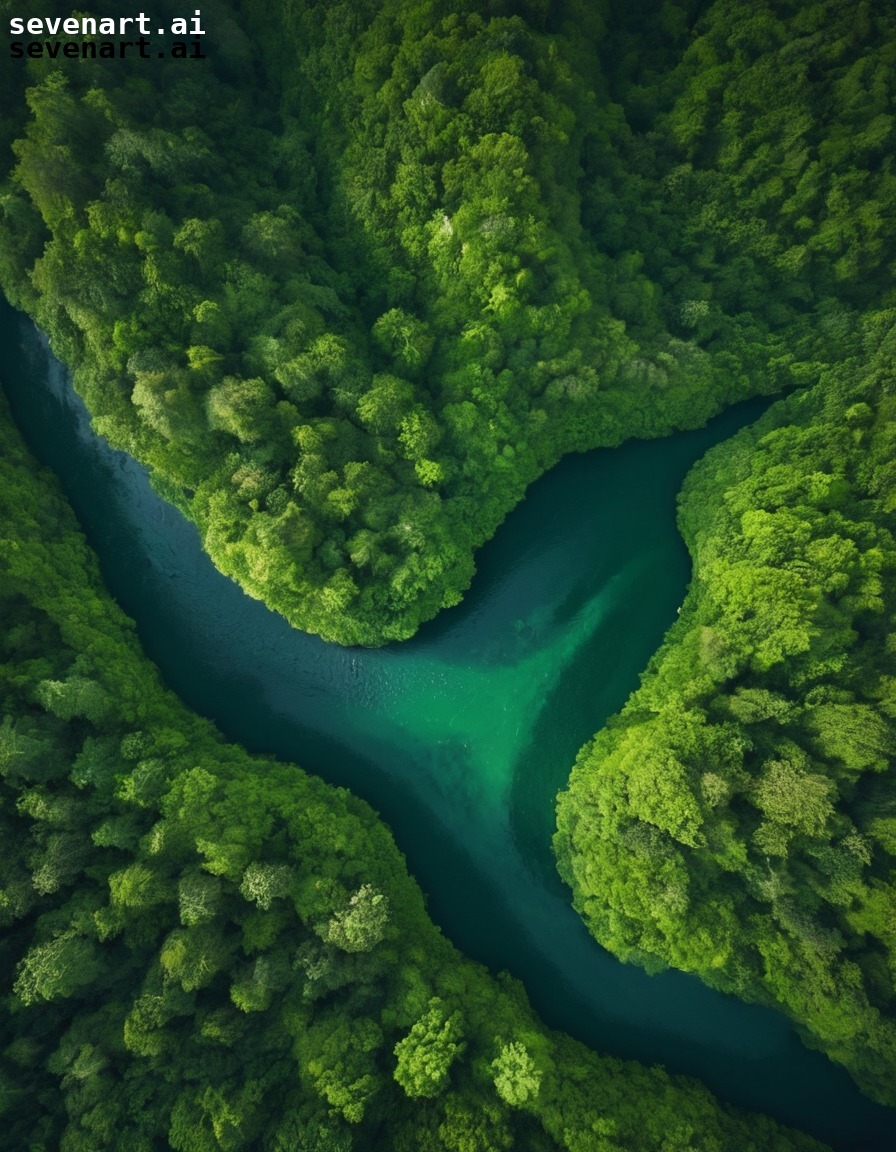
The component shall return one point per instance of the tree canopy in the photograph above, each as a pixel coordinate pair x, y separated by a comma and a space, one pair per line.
735, 819
353, 283
204, 950
347, 287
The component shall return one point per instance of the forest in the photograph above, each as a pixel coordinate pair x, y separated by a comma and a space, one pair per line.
737, 819
352, 287
347, 288
207, 950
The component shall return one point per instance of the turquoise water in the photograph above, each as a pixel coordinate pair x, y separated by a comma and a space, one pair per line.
462, 737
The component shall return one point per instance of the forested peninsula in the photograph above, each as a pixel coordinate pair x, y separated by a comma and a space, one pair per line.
347, 288
737, 820
352, 286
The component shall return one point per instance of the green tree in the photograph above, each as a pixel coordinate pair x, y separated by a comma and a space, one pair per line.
426, 1054
362, 923
58, 969
516, 1077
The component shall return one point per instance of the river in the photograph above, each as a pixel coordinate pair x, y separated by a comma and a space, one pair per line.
462, 736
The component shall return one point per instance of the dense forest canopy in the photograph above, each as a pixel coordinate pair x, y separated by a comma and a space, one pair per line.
736, 819
203, 950
739, 818
352, 283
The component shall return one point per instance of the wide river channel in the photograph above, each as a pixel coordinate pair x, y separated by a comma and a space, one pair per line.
462, 737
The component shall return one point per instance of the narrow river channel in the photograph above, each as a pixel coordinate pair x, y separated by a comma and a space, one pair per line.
461, 737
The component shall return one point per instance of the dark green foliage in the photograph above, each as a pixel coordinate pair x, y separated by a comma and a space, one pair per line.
203, 950
736, 819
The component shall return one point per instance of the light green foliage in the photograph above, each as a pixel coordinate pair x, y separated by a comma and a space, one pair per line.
789, 795
658, 789
517, 1079
199, 898
75, 696
404, 338
194, 956
426, 1054
240, 407
263, 883
138, 886
57, 969
342, 1064
361, 925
